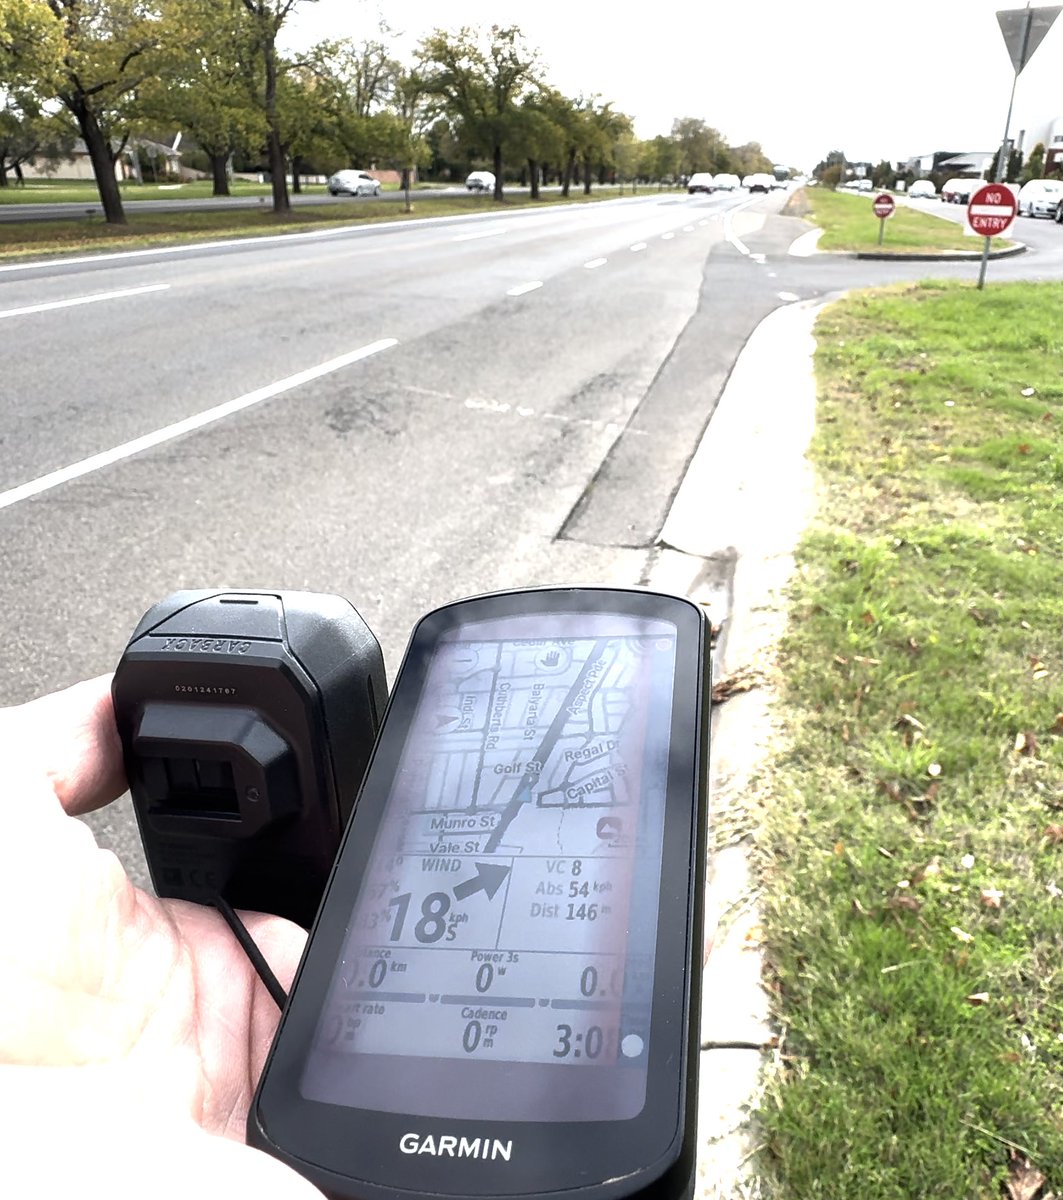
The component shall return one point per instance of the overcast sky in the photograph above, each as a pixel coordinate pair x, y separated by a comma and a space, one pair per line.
875, 79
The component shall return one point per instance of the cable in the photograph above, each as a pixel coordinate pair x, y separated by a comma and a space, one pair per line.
252, 951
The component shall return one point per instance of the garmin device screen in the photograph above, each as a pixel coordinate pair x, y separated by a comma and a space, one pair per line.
508, 944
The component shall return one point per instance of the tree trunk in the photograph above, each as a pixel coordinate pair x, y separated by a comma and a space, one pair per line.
100, 157
297, 187
566, 182
586, 176
3, 172
219, 168
533, 174
497, 161
277, 166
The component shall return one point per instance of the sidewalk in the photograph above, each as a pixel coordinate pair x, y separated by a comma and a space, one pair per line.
728, 543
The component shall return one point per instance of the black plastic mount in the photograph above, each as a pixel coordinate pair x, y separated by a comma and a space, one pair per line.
247, 719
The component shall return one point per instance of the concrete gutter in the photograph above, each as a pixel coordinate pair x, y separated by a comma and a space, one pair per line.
728, 543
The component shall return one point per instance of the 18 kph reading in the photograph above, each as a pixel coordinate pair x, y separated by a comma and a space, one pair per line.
510, 913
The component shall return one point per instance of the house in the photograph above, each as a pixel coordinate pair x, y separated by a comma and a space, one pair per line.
166, 159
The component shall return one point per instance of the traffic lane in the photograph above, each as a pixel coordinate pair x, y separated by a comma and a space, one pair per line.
576, 356
73, 397
401, 488
11, 273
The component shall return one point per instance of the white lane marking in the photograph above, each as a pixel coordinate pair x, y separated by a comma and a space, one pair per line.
704, 221
757, 258
148, 441
521, 288
75, 300
731, 236
595, 263
789, 297
690, 228
486, 233
639, 246
666, 236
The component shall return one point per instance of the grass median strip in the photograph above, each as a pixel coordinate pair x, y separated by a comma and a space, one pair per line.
914, 846
849, 223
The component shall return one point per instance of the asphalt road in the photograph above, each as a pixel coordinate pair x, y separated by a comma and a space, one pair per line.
67, 209
401, 415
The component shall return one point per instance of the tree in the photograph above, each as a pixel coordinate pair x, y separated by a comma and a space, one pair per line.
403, 130
268, 17
835, 159
540, 134
212, 87
882, 176
750, 158
1035, 164
700, 146
28, 131
481, 78
91, 55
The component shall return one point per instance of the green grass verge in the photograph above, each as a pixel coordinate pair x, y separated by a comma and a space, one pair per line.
20, 239
59, 191
914, 907
849, 223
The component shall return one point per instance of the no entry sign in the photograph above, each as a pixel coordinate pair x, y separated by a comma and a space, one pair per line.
883, 205
991, 210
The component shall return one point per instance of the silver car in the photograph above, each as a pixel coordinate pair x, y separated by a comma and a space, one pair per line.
353, 183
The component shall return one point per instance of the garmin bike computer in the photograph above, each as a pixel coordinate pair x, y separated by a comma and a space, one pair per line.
500, 995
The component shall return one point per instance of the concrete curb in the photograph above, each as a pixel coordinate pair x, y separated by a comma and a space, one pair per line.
951, 256
742, 514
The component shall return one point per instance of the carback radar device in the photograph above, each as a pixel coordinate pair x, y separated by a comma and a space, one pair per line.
500, 995
247, 719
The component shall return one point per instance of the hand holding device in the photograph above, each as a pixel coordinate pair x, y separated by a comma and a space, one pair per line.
134, 1026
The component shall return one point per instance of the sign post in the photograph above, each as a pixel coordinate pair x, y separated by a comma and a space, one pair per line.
883, 206
1024, 30
990, 212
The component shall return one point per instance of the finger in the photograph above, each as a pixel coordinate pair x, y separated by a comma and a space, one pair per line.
70, 739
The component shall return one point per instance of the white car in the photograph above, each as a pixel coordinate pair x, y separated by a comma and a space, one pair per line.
480, 181
1040, 197
922, 189
353, 183
700, 181
759, 181
726, 182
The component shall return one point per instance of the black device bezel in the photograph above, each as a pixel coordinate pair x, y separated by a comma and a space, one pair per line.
653, 1151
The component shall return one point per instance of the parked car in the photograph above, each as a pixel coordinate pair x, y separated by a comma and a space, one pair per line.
480, 181
353, 183
700, 181
1040, 197
922, 189
759, 181
959, 190
726, 182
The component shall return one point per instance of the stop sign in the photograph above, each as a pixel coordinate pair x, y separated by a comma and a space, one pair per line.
883, 205
991, 210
